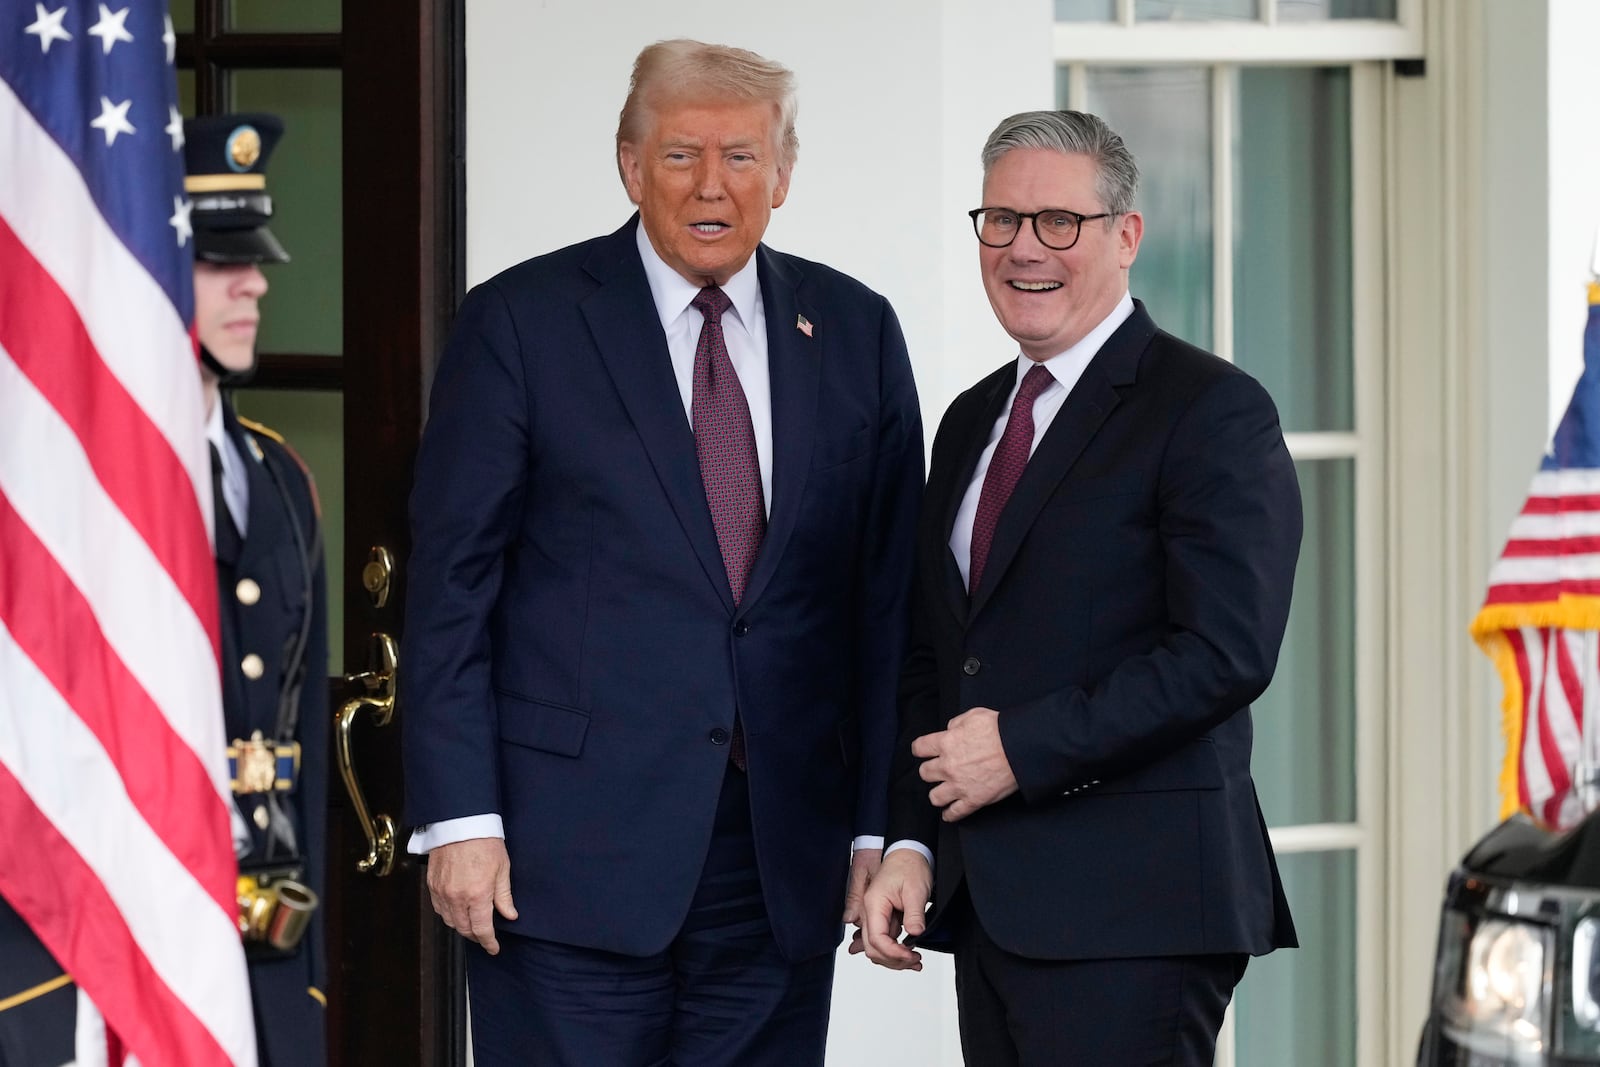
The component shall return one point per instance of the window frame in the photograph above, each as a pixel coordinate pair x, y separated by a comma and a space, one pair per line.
1263, 40
1364, 444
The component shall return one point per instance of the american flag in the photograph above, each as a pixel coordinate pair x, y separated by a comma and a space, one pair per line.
1540, 621
116, 843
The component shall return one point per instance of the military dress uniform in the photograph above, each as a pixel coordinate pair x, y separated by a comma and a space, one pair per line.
274, 697
38, 1001
274, 623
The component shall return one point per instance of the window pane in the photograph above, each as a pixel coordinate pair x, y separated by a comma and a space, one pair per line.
1291, 253
1307, 10
186, 93
1086, 10
182, 12
1164, 114
313, 424
1153, 10
1305, 731
284, 16
304, 178
1299, 1006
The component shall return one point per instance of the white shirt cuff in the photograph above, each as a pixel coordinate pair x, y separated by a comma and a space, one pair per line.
916, 846
865, 841
430, 836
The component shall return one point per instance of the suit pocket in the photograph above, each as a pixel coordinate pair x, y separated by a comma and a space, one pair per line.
1194, 766
554, 728
837, 451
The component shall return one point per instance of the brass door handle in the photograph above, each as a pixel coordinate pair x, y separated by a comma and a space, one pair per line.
379, 696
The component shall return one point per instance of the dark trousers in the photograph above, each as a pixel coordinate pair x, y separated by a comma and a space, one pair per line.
721, 993
1020, 1012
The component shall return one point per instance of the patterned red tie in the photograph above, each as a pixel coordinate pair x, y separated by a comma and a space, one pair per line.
726, 444
1005, 467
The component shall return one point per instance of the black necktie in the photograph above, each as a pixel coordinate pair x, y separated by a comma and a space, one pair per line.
228, 539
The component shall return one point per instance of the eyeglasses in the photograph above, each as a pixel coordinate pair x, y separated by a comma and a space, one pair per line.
1055, 227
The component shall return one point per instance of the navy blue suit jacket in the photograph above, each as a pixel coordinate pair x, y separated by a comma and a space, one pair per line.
1131, 608
573, 657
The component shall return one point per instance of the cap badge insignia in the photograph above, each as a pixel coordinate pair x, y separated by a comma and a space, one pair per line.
244, 148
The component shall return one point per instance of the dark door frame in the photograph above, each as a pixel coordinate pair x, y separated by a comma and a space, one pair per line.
404, 206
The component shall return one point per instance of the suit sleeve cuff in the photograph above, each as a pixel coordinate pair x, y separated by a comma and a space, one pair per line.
429, 836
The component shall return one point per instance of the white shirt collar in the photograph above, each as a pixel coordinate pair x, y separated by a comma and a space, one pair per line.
214, 430
672, 291
1068, 366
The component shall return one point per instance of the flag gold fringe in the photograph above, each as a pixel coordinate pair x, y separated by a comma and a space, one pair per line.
1512, 713
1568, 612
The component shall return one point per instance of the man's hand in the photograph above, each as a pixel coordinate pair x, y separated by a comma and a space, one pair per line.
863, 868
967, 763
897, 898
469, 881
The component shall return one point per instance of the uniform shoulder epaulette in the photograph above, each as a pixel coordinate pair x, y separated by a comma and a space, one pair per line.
277, 438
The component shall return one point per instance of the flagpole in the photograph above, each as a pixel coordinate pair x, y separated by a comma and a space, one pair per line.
1586, 775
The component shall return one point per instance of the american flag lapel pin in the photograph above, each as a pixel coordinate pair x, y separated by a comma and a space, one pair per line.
803, 324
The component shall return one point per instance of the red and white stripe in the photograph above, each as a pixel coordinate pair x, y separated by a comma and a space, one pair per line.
112, 770
1554, 546
1553, 665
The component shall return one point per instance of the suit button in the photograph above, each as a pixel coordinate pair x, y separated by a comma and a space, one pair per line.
247, 591
741, 628
719, 736
971, 665
252, 666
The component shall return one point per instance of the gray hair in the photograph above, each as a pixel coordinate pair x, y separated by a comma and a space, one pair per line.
682, 69
1072, 133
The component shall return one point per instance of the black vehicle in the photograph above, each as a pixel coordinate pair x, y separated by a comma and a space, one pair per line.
1516, 977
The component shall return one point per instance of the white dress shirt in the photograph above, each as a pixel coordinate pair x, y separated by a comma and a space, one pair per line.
744, 331
1066, 368
235, 480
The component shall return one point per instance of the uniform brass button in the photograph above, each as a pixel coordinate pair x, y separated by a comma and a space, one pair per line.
262, 817
970, 666
247, 591
252, 666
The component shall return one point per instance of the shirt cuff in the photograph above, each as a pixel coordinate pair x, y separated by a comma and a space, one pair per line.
865, 841
916, 846
429, 836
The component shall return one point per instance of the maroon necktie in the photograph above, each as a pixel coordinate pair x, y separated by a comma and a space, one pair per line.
1005, 467
726, 444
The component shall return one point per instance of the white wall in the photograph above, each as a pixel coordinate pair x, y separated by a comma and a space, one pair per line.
1574, 186
896, 97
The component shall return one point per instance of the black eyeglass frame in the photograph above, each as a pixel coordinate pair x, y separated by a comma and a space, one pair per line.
977, 226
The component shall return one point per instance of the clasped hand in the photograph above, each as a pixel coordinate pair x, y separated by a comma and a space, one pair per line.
967, 764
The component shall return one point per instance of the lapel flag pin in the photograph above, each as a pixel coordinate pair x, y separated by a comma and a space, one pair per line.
803, 324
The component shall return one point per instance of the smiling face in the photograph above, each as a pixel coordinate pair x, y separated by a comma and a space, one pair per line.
706, 179
1046, 299
226, 313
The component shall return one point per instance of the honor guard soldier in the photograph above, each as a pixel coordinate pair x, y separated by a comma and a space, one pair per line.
274, 608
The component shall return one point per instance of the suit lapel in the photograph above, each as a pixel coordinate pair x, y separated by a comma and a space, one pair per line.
1082, 414
794, 364
947, 496
622, 318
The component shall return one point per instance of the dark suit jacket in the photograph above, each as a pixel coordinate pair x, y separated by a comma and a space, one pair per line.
573, 658
282, 554
1131, 608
